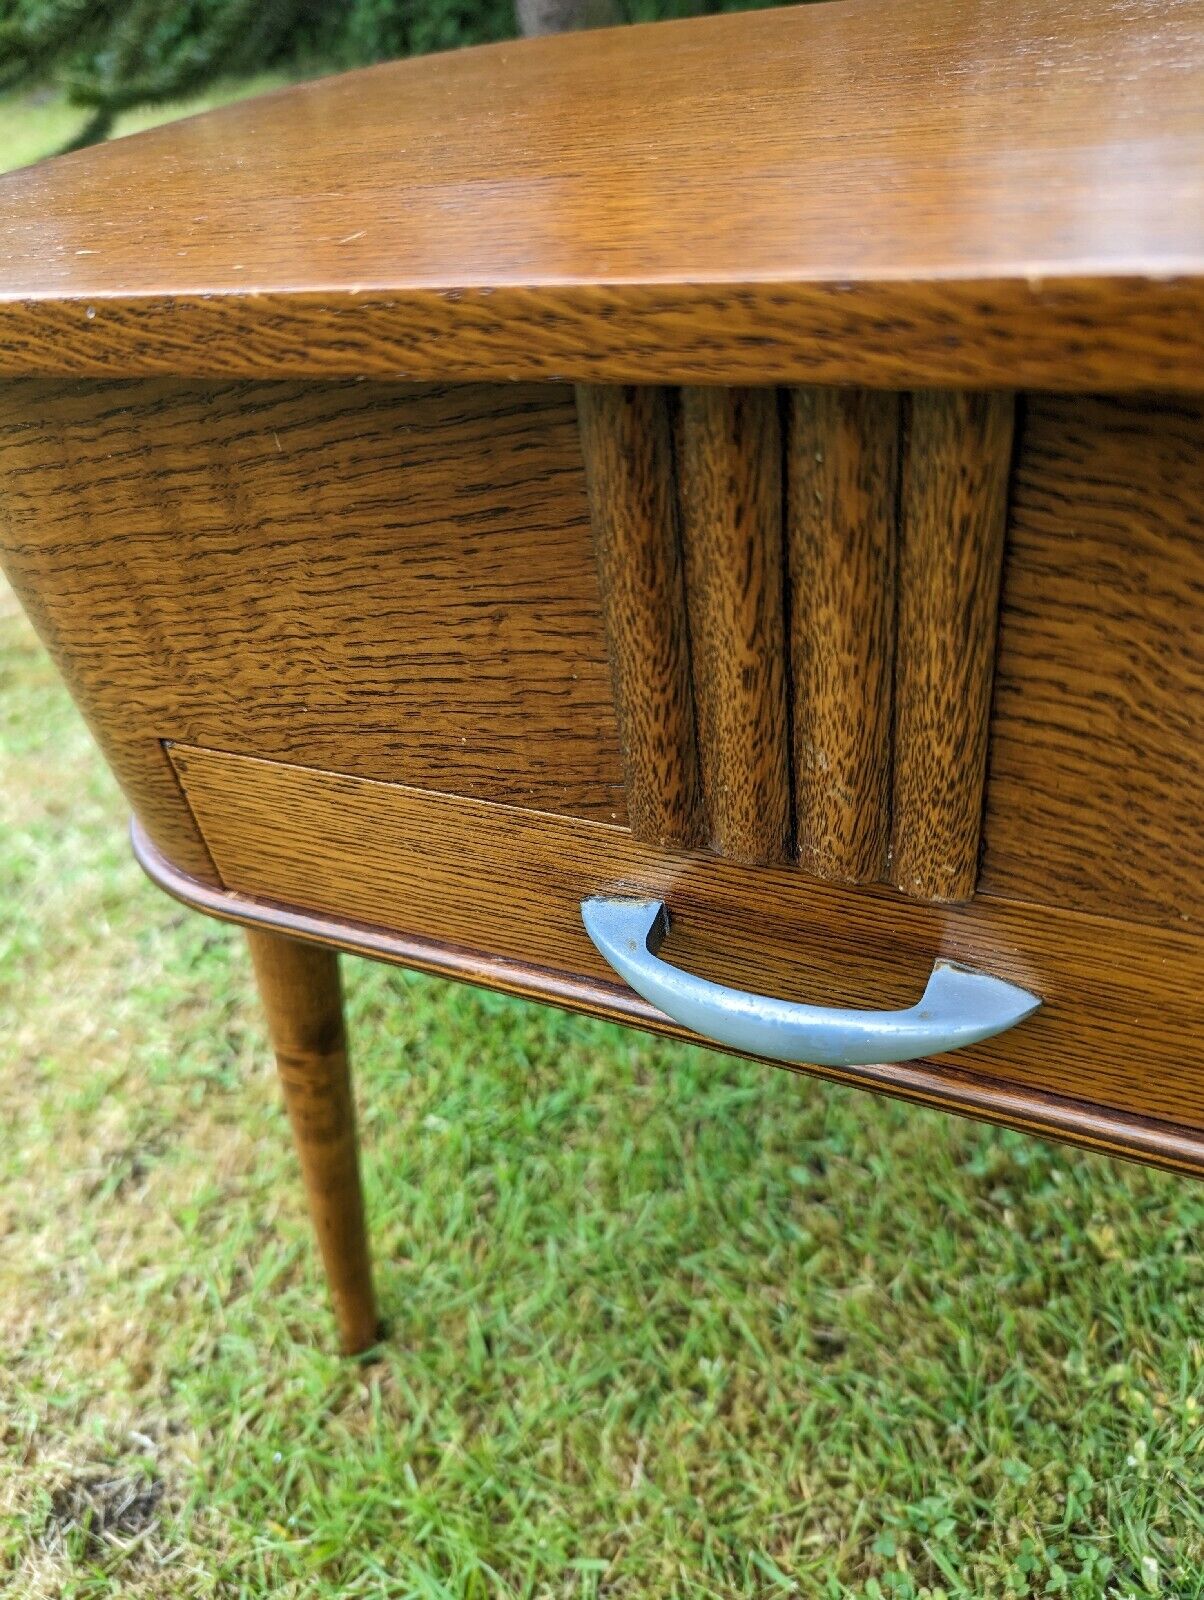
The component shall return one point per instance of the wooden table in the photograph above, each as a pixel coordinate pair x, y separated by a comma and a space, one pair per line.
751, 464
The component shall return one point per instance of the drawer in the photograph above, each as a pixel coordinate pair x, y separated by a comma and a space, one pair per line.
492, 892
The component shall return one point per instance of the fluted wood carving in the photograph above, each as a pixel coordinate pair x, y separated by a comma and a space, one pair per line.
841, 471
633, 509
953, 505
811, 675
729, 486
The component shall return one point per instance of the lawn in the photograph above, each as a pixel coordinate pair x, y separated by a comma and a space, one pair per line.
662, 1324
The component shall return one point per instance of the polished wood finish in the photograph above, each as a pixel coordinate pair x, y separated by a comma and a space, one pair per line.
841, 478
385, 580
945, 1088
299, 987
953, 502
859, 192
729, 472
1097, 741
1118, 1027
625, 438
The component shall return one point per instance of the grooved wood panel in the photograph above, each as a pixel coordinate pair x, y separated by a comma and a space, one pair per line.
729, 485
841, 471
625, 436
1096, 788
858, 192
384, 580
952, 509
1119, 1023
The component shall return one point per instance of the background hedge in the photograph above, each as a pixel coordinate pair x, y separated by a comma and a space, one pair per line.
110, 55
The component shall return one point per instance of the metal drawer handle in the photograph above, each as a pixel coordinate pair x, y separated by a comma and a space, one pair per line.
958, 1007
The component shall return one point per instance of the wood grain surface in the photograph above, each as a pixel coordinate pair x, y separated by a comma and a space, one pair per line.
1096, 790
299, 987
952, 509
1119, 1024
625, 438
133, 751
841, 481
378, 579
859, 192
729, 483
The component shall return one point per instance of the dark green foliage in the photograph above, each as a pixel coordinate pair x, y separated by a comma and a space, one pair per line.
113, 54
360, 31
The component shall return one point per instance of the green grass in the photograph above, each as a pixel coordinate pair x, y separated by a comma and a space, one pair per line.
662, 1323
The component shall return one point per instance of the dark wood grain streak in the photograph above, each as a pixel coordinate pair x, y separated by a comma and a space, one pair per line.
944, 1088
379, 579
1096, 791
1124, 334
625, 437
953, 505
841, 479
1118, 1024
729, 484
936, 195
299, 987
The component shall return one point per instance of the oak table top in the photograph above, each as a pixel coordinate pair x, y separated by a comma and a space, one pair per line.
856, 191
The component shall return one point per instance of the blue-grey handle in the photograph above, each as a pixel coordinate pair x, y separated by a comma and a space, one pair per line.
958, 1007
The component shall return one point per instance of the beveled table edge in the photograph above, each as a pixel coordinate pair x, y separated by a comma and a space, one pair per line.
1130, 333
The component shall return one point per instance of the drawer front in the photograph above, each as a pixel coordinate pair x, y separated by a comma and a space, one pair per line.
1118, 1028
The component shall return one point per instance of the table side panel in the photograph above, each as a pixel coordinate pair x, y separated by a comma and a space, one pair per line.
394, 581
398, 583
1096, 763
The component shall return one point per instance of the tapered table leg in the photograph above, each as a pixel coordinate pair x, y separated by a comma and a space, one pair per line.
300, 990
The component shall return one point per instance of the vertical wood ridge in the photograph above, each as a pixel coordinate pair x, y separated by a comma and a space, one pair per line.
729, 485
830, 678
953, 504
841, 480
625, 438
